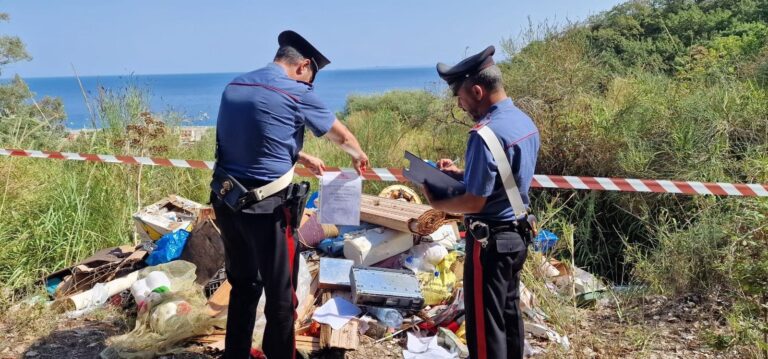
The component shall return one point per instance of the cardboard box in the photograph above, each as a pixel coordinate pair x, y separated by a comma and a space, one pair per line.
168, 215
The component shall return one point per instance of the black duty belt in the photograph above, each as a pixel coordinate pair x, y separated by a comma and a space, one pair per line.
483, 230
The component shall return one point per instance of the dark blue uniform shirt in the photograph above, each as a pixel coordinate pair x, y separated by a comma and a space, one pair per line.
520, 137
260, 128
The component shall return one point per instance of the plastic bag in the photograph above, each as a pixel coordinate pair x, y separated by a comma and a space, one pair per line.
544, 241
302, 290
167, 319
437, 286
425, 257
169, 247
93, 298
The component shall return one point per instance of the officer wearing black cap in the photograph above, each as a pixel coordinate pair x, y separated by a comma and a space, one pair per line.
498, 235
259, 137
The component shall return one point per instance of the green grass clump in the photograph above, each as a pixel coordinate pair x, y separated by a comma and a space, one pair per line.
56, 213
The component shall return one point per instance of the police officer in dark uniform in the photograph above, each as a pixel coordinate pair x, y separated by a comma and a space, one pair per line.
498, 238
259, 136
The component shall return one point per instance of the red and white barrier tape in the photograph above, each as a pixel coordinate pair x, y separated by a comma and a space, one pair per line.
396, 174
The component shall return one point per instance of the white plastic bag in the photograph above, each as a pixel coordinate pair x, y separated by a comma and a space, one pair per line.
302, 290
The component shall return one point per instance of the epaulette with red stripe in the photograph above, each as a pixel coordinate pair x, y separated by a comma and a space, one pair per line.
480, 124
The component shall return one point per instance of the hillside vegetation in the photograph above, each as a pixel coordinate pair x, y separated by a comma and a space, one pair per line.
650, 89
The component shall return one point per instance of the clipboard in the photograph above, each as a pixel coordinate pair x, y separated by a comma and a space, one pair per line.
440, 184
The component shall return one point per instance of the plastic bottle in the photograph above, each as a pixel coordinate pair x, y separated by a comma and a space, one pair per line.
412, 263
140, 290
387, 316
158, 282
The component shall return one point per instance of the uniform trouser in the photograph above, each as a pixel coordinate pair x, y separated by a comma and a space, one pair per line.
260, 254
493, 318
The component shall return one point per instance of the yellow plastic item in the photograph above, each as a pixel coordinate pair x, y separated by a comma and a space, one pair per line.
437, 286
462, 332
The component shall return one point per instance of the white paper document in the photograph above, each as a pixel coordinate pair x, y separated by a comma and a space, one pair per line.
340, 196
336, 313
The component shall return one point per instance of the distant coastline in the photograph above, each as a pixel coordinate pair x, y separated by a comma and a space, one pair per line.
187, 134
196, 96
10, 76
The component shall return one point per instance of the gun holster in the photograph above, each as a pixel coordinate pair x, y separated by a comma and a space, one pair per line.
296, 196
532, 228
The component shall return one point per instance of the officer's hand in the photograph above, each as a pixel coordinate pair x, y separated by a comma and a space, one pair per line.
447, 166
360, 162
314, 164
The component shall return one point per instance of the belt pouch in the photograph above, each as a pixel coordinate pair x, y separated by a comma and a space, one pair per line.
229, 190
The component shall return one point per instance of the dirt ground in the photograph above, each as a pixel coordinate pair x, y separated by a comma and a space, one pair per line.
651, 327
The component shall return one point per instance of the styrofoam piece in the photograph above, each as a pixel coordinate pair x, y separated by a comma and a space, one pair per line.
334, 273
375, 245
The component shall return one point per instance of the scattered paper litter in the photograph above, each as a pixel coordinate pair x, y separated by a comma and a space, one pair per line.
336, 312
426, 348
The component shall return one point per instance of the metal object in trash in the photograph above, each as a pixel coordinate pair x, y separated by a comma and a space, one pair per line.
386, 288
334, 273
215, 282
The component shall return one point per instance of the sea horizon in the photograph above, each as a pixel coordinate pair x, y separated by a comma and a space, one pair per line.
196, 96
7, 77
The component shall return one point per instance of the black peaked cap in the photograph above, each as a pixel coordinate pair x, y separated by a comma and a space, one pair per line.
292, 39
467, 67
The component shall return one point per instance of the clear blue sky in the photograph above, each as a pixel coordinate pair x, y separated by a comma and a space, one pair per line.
106, 37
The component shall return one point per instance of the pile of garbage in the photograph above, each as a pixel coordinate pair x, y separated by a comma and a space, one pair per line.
398, 275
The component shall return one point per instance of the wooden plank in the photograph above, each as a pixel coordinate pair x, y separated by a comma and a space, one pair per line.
385, 222
398, 215
345, 338
306, 339
307, 344
373, 201
325, 329
392, 203
219, 345
402, 211
394, 210
305, 311
209, 339
219, 301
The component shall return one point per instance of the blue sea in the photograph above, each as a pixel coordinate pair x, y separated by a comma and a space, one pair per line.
196, 96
